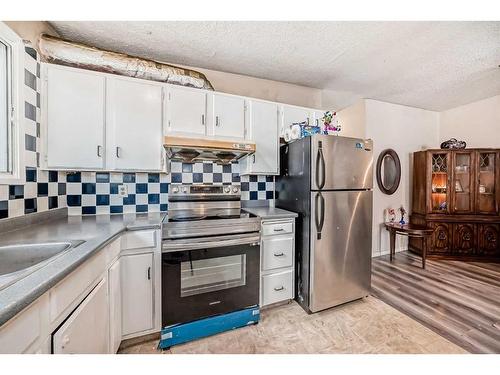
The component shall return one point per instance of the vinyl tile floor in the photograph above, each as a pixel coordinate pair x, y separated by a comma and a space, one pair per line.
364, 326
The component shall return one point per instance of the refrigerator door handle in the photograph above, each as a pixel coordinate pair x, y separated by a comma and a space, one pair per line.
319, 210
320, 165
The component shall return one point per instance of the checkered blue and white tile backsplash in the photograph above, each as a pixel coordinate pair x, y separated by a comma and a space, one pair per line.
88, 193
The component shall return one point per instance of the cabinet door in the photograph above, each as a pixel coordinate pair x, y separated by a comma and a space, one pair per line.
229, 116
186, 111
115, 307
137, 293
86, 331
489, 239
441, 239
440, 177
74, 118
292, 114
134, 125
264, 132
487, 181
462, 189
464, 239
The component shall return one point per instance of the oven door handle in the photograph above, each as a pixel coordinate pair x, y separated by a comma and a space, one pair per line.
209, 242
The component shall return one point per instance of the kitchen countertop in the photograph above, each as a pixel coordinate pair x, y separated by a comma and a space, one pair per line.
97, 231
266, 212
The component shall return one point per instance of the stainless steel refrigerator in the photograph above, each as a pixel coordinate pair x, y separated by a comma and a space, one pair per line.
328, 181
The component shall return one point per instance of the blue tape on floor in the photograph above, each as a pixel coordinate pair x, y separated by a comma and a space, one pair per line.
181, 333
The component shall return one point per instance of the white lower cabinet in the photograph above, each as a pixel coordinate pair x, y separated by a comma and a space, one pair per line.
24, 332
86, 330
277, 261
113, 296
137, 293
115, 306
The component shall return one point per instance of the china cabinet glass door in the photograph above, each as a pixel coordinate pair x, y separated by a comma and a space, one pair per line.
486, 185
463, 183
440, 177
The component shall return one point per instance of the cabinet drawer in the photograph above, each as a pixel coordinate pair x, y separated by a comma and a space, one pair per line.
277, 252
138, 239
277, 287
269, 229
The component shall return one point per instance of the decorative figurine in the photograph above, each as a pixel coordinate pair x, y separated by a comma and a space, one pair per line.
403, 212
330, 123
392, 214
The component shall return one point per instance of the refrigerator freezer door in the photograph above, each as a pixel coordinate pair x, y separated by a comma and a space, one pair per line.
341, 247
341, 163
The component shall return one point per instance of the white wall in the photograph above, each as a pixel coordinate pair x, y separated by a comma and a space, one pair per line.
476, 123
404, 129
353, 120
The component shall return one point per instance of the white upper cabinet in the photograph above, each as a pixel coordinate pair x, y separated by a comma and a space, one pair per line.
133, 124
263, 130
73, 115
228, 116
186, 111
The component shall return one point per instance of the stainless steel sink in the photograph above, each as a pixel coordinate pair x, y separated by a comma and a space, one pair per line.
18, 261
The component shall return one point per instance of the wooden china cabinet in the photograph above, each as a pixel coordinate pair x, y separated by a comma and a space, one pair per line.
457, 193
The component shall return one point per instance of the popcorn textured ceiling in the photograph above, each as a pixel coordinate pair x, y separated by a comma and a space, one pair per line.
430, 65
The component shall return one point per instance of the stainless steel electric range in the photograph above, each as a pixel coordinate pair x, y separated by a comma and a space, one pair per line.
210, 253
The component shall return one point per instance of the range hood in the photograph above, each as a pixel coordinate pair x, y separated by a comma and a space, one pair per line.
192, 150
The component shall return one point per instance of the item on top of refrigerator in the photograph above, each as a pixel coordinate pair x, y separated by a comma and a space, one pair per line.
295, 132
331, 124
308, 130
288, 135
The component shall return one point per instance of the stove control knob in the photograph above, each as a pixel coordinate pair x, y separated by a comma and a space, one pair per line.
227, 189
184, 190
175, 189
235, 189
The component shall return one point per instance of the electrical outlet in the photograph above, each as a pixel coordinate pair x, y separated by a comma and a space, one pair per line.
123, 191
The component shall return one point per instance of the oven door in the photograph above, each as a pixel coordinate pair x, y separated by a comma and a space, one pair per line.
209, 276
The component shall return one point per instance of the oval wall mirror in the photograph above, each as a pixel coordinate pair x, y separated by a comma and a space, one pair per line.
388, 171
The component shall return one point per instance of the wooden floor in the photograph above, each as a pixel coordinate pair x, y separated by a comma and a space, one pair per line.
458, 300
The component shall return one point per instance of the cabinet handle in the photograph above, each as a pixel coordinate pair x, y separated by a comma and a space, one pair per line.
278, 229
253, 158
279, 289
149, 273
279, 254
203, 119
99, 150
216, 120
118, 152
